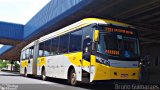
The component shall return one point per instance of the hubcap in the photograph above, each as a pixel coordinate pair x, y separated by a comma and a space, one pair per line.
73, 78
43, 75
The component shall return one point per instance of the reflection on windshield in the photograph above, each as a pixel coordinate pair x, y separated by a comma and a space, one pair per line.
118, 45
130, 47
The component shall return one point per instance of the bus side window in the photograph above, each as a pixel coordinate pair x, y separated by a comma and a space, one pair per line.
27, 54
23, 55
41, 50
47, 47
75, 41
63, 43
31, 51
54, 46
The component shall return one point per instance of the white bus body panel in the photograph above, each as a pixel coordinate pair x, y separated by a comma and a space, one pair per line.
57, 66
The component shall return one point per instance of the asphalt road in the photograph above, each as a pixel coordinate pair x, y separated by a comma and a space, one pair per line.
14, 81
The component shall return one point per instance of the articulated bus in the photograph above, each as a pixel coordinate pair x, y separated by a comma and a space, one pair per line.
87, 51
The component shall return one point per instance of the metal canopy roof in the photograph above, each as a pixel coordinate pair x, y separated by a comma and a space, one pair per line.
10, 33
144, 14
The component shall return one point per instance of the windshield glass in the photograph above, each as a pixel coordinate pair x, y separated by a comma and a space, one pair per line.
118, 42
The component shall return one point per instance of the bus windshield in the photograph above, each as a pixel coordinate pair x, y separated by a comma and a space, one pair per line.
118, 42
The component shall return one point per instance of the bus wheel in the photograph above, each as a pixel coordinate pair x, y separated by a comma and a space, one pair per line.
25, 72
72, 78
43, 75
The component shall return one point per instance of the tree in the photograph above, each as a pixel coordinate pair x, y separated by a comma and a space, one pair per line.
3, 64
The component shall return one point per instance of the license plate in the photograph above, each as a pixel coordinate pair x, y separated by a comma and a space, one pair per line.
124, 75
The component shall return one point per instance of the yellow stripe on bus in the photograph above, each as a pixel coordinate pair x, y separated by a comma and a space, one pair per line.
85, 63
75, 58
41, 61
24, 63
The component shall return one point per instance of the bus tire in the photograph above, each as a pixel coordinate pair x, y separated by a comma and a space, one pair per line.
25, 72
43, 74
72, 78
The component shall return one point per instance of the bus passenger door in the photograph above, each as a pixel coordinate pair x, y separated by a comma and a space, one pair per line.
87, 48
30, 60
86, 62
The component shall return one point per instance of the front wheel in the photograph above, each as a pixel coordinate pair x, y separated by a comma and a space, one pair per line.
72, 78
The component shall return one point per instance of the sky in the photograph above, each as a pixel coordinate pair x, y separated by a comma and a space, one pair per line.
20, 11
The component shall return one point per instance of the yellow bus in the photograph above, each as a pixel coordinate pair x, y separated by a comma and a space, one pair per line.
89, 50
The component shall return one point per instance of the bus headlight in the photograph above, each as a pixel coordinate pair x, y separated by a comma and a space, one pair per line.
140, 63
103, 61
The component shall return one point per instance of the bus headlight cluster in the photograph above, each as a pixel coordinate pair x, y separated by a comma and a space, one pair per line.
102, 61
140, 63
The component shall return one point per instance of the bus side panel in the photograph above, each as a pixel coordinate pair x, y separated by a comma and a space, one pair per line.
21, 68
28, 64
53, 66
50, 65
38, 68
60, 66
29, 68
57, 66
76, 60
24, 64
41, 61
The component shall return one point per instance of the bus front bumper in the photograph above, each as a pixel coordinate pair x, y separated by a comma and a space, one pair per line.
103, 72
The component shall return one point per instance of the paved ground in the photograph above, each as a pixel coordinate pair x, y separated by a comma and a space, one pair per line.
13, 81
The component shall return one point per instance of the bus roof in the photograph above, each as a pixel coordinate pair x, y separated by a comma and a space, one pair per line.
104, 21
77, 25
80, 24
